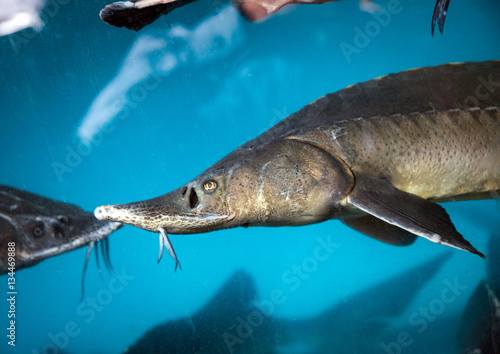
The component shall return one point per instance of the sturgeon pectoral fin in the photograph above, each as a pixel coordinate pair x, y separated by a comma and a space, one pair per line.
439, 15
378, 229
381, 199
165, 242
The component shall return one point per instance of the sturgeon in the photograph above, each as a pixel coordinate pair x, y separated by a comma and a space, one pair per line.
236, 320
34, 228
135, 14
377, 155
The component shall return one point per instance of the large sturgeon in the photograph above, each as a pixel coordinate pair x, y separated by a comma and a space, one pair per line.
378, 155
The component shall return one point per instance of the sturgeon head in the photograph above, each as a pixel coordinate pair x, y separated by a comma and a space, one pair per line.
283, 182
39, 228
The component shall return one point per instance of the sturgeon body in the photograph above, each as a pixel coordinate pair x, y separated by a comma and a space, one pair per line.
378, 155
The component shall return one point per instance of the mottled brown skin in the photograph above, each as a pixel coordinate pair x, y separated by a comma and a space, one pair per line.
420, 153
379, 150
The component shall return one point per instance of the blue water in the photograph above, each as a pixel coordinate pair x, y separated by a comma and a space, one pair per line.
197, 109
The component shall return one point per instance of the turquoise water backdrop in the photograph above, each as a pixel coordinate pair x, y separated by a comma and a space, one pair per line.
189, 105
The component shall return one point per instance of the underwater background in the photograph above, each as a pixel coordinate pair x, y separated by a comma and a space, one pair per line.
178, 96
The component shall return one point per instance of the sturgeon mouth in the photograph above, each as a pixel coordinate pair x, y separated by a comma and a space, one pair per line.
154, 220
146, 217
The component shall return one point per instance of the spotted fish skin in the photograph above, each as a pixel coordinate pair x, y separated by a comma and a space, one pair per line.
376, 155
419, 152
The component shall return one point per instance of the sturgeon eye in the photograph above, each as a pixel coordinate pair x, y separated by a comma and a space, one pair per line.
210, 186
39, 230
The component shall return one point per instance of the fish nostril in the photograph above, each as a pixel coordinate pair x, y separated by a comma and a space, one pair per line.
58, 232
193, 199
183, 191
63, 219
